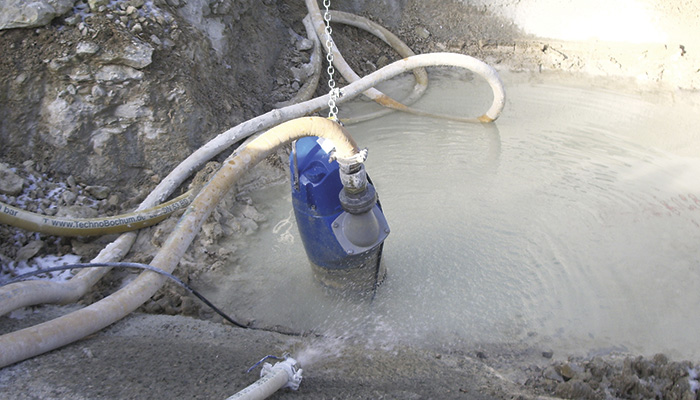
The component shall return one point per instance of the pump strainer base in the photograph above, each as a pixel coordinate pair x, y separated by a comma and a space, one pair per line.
363, 279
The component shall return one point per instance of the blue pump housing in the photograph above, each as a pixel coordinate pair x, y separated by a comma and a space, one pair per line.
315, 197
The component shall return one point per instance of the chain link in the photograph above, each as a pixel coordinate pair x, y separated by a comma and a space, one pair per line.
334, 92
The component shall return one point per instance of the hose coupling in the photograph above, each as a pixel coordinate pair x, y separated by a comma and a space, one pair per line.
357, 158
358, 195
358, 202
290, 366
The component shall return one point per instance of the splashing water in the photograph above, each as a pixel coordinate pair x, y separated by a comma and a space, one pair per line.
572, 220
319, 350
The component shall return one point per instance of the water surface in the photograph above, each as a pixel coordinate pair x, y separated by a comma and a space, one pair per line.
567, 222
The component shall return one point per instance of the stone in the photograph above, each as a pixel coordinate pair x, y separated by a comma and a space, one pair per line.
137, 55
551, 374
80, 73
11, 184
305, 44
97, 91
30, 14
68, 197
72, 20
86, 48
101, 137
156, 40
85, 250
29, 250
168, 44
299, 74
133, 109
421, 32
575, 390
252, 213
136, 3
117, 74
96, 4
72, 183
567, 371
383, 61
98, 192
113, 200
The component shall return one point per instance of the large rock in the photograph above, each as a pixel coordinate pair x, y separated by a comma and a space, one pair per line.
10, 183
29, 14
136, 54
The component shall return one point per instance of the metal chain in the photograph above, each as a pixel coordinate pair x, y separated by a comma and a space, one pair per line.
334, 92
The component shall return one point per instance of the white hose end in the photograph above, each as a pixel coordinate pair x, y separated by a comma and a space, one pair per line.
290, 366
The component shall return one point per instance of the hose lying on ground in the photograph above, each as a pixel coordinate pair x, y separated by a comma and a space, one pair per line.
170, 276
53, 334
35, 340
339, 61
65, 292
24, 294
420, 75
63, 226
350, 75
277, 116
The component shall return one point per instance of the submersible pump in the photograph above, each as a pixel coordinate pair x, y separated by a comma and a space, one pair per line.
340, 220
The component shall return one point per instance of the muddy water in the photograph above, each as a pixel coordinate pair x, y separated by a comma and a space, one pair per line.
565, 223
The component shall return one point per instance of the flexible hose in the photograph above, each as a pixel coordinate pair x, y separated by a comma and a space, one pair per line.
481, 69
24, 294
277, 116
263, 387
91, 226
306, 91
398, 45
347, 72
35, 292
61, 326
38, 339
339, 61
170, 276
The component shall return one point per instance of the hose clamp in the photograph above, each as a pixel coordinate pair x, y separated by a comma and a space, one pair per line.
290, 366
357, 158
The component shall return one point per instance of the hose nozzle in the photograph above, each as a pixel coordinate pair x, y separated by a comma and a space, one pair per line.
290, 366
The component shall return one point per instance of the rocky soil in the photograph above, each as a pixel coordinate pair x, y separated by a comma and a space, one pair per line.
100, 100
